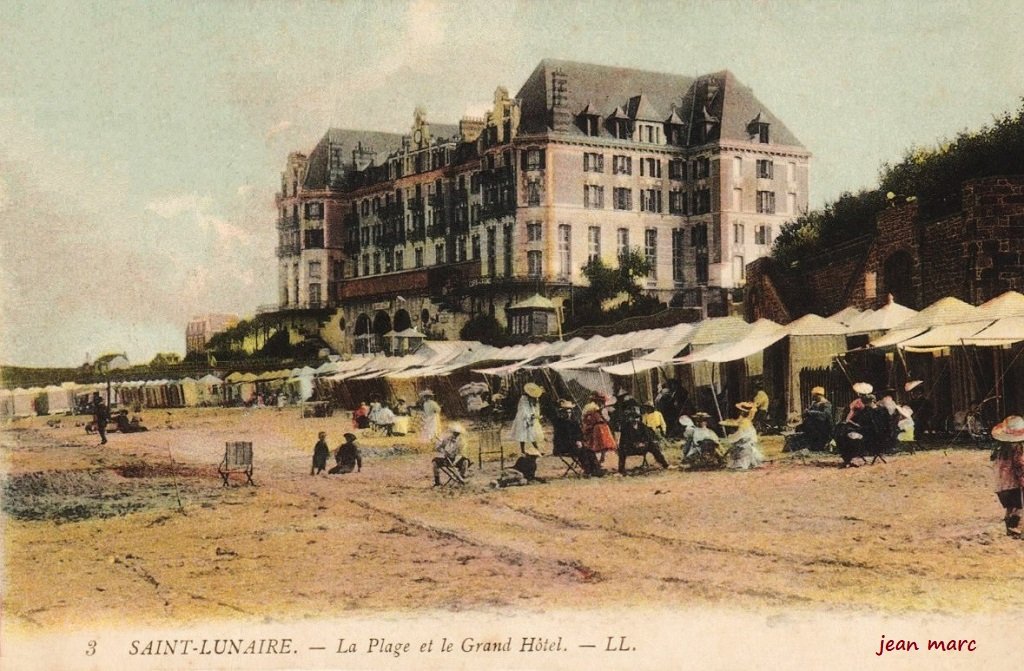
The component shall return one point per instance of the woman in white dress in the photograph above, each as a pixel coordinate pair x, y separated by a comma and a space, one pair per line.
745, 452
526, 426
431, 430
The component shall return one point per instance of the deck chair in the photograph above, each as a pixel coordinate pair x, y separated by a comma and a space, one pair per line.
572, 465
449, 472
237, 459
490, 443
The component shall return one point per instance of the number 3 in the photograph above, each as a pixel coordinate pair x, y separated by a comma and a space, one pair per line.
91, 649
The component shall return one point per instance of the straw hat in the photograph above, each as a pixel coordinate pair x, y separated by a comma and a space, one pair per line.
913, 384
1010, 430
863, 388
531, 451
533, 390
566, 403
818, 390
905, 410
426, 392
455, 427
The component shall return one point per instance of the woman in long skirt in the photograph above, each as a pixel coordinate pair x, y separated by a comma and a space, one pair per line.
431, 430
526, 426
597, 435
1009, 471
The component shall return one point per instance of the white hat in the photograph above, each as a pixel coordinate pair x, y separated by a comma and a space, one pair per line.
913, 384
455, 427
862, 388
1010, 430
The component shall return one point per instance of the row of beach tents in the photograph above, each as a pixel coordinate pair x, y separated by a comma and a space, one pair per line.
962, 352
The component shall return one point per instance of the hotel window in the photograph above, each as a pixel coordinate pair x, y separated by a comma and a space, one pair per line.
461, 248
763, 235
621, 242
475, 247
677, 202
314, 270
507, 234
439, 254
366, 264
765, 169
593, 243
314, 294
376, 263
791, 171
766, 202
702, 201
314, 210
534, 266
791, 203
590, 125
593, 162
593, 196
533, 159
533, 193
678, 258
677, 169
737, 200
564, 247
622, 165
651, 252
737, 166
650, 167
399, 260
737, 234
492, 252
623, 198
701, 168
739, 269
762, 133
534, 231
650, 200
366, 207
418, 257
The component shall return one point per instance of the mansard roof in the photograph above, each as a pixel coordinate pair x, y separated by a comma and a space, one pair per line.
318, 171
602, 89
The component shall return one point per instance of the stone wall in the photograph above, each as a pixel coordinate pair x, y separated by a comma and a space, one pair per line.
974, 255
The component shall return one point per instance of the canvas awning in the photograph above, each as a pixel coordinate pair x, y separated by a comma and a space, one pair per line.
896, 337
584, 360
946, 335
1003, 332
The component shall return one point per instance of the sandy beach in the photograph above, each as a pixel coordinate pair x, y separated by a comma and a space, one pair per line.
142, 530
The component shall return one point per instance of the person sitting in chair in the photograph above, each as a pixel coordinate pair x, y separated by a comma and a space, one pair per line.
361, 416
567, 439
698, 439
449, 453
745, 453
818, 421
654, 420
638, 439
347, 458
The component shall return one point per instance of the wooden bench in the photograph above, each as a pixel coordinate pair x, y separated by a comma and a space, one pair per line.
237, 459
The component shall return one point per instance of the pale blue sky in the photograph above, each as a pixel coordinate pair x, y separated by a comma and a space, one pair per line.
141, 143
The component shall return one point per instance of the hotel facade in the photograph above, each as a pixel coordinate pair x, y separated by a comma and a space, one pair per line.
379, 233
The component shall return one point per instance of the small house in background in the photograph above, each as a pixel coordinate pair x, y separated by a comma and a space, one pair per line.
536, 316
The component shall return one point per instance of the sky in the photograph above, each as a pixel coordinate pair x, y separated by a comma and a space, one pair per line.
141, 143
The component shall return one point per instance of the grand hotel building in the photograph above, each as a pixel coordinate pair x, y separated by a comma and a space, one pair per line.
383, 232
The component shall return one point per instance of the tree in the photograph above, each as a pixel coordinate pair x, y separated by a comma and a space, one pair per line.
165, 360
482, 327
613, 293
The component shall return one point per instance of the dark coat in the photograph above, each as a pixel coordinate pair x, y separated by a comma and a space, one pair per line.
567, 432
320, 453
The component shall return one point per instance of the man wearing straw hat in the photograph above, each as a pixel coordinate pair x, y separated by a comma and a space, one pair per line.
526, 425
819, 421
1008, 458
449, 451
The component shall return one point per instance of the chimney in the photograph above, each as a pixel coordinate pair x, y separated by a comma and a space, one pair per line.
561, 117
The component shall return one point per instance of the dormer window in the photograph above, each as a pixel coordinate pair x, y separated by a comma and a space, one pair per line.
674, 129
590, 121
620, 124
758, 129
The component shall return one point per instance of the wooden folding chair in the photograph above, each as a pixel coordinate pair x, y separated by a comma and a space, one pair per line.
490, 443
237, 459
450, 471
572, 465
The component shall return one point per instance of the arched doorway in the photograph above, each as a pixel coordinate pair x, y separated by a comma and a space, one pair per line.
402, 320
381, 326
898, 278
362, 334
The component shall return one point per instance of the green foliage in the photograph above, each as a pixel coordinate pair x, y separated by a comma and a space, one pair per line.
277, 346
165, 360
932, 176
482, 327
606, 283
